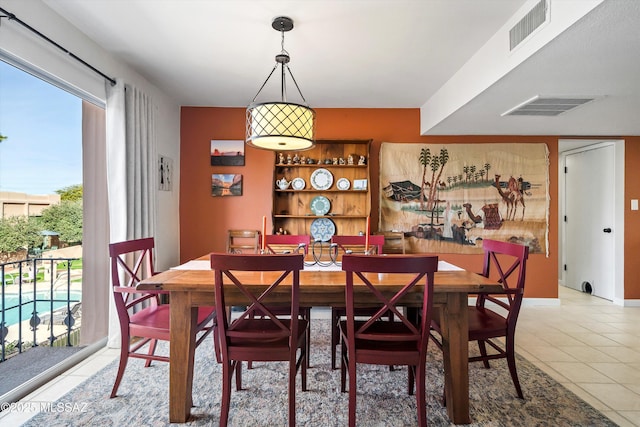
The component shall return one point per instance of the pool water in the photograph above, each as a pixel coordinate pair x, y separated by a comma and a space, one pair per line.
42, 304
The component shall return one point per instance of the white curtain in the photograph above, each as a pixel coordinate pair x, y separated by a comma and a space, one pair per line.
131, 172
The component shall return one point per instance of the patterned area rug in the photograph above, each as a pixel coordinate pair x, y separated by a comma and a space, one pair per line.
382, 395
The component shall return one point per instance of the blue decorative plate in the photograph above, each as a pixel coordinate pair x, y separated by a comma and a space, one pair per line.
320, 205
322, 229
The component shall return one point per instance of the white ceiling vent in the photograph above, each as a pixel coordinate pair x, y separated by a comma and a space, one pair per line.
527, 25
547, 106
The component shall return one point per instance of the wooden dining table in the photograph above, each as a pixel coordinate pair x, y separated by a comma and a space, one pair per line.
190, 287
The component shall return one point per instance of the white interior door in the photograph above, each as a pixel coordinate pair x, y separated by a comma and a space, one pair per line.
589, 218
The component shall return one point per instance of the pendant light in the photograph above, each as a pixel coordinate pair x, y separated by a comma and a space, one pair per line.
281, 125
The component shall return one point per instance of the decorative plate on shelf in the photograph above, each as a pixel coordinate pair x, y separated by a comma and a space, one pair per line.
343, 184
320, 205
321, 179
322, 229
298, 184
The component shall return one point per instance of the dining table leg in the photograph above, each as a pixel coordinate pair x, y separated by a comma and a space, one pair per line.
182, 350
455, 343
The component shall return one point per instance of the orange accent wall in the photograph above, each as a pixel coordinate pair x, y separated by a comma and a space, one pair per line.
204, 219
631, 218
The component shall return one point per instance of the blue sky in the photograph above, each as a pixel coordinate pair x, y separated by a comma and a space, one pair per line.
43, 126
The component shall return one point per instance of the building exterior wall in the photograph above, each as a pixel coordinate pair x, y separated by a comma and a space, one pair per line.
22, 204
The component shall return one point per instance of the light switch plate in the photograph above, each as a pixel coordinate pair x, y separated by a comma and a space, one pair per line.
634, 204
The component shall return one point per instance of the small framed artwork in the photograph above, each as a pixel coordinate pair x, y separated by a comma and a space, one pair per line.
226, 184
359, 184
227, 153
165, 173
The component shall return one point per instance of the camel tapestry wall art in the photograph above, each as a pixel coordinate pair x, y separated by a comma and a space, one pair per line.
447, 198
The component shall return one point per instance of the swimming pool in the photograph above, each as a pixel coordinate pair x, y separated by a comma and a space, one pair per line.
42, 304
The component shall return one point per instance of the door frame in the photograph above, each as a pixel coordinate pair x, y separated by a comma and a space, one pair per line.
572, 146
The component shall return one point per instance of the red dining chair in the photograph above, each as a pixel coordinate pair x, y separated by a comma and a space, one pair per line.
345, 245
265, 337
507, 263
140, 314
371, 341
287, 243
290, 243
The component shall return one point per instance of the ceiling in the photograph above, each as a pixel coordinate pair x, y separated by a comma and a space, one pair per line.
380, 54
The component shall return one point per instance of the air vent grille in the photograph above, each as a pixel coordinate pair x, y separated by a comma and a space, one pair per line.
527, 25
547, 106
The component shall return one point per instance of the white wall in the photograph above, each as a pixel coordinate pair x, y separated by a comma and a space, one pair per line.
21, 44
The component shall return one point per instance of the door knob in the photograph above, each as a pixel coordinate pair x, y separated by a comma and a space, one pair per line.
607, 230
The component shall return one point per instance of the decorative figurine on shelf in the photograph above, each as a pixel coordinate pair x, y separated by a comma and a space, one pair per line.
289, 159
362, 161
280, 159
310, 161
341, 161
350, 160
303, 160
296, 159
335, 160
280, 231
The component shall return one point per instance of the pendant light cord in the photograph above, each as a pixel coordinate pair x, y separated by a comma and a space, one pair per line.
283, 64
11, 17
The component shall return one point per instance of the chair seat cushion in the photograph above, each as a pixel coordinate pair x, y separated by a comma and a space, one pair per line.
262, 332
156, 319
485, 323
386, 336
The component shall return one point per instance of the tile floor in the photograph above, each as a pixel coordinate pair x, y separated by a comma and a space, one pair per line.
588, 344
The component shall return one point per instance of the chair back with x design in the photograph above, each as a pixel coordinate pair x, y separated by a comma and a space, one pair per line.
400, 342
356, 244
259, 334
131, 261
268, 327
287, 243
506, 262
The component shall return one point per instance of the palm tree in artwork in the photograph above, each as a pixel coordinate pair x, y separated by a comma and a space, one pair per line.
487, 167
437, 165
425, 160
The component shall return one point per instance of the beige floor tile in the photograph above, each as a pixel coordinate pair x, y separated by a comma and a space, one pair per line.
551, 372
56, 388
620, 419
619, 372
580, 372
601, 328
616, 396
632, 416
625, 339
16, 417
97, 362
557, 338
587, 397
623, 354
588, 354
592, 340
548, 354
631, 327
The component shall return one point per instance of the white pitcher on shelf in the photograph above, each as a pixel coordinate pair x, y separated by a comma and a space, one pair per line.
283, 184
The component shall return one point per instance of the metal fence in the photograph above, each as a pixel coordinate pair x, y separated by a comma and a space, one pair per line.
40, 304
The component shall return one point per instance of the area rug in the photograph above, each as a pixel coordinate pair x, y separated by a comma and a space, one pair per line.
143, 398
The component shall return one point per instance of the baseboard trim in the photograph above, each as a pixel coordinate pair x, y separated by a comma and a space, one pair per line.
627, 302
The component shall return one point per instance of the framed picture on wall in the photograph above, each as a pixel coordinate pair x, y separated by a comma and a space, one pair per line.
226, 184
165, 173
227, 153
